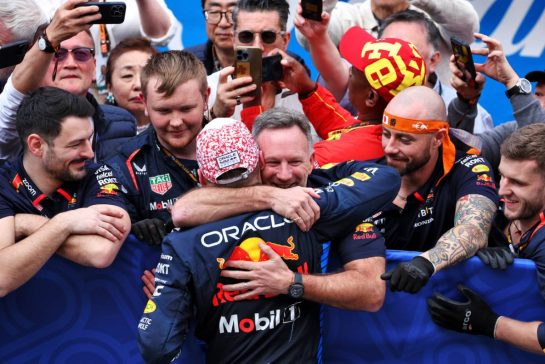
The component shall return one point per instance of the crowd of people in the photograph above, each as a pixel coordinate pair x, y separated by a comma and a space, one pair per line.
244, 187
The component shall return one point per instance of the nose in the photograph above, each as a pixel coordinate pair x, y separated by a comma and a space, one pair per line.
389, 145
504, 189
87, 150
258, 42
136, 83
284, 172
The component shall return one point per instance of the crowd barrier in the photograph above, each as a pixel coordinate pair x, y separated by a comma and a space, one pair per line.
72, 314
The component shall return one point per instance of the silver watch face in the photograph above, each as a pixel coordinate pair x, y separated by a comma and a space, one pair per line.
42, 45
525, 86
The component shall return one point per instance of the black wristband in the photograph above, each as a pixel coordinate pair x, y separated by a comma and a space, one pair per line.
304, 95
424, 264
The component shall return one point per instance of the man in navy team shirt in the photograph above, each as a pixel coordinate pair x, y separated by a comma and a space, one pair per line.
265, 328
51, 200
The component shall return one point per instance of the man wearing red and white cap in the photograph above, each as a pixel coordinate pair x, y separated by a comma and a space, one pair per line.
447, 199
380, 69
281, 327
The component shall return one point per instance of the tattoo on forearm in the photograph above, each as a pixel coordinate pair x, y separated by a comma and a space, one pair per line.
472, 221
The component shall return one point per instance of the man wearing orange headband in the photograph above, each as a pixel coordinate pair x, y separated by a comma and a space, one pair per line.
447, 199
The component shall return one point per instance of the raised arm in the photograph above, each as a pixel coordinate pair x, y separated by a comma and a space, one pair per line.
324, 54
66, 23
208, 204
156, 20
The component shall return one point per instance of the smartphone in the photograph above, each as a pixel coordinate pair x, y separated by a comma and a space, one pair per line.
462, 52
112, 13
312, 9
272, 68
13, 53
248, 63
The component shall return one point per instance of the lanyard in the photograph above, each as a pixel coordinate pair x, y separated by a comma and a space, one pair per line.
179, 164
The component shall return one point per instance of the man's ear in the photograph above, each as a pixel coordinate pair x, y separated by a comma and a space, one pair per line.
372, 98
434, 61
261, 160
439, 137
35, 145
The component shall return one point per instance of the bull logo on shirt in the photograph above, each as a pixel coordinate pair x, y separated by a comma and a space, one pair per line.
249, 250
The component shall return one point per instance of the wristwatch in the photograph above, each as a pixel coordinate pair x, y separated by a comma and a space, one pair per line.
44, 44
522, 87
296, 289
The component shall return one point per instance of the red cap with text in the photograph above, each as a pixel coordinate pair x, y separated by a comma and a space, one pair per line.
390, 65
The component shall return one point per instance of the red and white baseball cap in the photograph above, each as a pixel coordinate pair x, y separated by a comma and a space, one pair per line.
224, 145
390, 65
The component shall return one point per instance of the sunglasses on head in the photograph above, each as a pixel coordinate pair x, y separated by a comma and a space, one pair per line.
267, 36
80, 54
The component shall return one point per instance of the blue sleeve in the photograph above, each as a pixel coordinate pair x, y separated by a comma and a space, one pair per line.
364, 241
475, 177
363, 190
165, 323
103, 188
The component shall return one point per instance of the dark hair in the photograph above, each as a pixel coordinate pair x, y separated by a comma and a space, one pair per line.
413, 16
280, 6
527, 143
282, 118
44, 111
126, 45
173, 68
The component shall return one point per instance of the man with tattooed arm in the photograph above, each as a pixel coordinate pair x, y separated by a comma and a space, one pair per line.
448, 197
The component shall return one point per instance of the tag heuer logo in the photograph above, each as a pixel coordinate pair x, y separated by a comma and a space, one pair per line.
160, 184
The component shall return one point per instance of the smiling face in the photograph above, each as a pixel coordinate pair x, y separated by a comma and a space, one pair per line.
64, 157
407, 152
522, 188
286, 158
178, 118
72, 75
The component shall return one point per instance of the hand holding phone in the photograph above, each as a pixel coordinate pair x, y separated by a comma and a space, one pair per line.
112, 13
13, 53
463, 55
248, 63
312, 9
272, 68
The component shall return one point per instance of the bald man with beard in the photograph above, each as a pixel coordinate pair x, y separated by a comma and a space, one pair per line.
447, 198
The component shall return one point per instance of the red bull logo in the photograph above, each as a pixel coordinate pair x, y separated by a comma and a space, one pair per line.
484, 178
249, 250
109, 189
364, 228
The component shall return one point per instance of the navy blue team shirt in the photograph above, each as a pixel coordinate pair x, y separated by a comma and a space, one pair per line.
429, 211
152, 178
19, 194
262, 329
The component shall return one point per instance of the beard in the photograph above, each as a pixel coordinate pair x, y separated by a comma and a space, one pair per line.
61, 173
414, 165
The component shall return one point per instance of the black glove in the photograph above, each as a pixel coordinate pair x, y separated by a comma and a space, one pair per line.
409, 276
496, 257
151, 231
472, 317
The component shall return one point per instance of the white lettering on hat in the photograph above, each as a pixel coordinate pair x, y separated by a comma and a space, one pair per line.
228, 159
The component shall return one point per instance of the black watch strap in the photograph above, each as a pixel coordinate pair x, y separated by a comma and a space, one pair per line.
296, 289
44, 44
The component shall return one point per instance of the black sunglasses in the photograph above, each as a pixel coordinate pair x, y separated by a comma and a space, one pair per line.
80, 54
267, 36
214, 16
